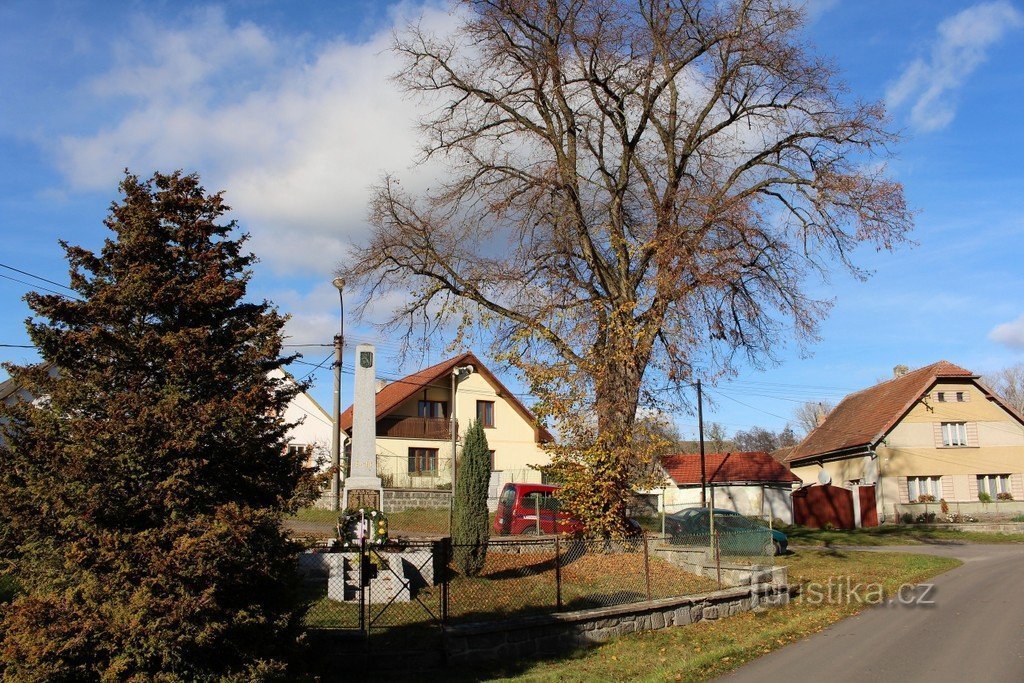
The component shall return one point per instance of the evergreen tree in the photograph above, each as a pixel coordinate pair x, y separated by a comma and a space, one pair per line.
471, 523
145, 490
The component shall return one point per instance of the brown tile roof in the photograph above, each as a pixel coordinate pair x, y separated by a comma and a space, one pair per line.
399, 391
723, 468
865, 417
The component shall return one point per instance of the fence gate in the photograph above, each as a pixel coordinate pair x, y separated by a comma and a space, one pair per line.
405, 596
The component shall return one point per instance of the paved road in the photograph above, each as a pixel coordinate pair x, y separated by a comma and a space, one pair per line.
973, 632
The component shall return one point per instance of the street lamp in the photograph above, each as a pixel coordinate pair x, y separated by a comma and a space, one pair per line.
339, 343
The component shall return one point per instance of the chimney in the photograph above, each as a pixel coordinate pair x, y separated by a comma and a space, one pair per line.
381, 383
820, 414
899, 370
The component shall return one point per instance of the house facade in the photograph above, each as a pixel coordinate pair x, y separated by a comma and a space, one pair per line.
414, 413
312, 432
935, 433
751, 483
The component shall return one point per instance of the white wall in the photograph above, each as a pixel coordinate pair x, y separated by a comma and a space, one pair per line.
744, 499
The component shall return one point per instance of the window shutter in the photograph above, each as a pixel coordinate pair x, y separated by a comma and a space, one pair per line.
937, 431
972, 434
901, 483
972, 483
947, 487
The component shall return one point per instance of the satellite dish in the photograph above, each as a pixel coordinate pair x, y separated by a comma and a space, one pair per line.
824, 478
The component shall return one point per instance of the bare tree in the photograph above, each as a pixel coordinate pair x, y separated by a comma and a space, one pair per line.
810, 413
1008, 383
638, 193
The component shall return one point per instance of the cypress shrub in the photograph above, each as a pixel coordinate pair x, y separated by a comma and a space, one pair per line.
471, 522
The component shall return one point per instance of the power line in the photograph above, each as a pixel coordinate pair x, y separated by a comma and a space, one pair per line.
35, 286
17, 346
38, 277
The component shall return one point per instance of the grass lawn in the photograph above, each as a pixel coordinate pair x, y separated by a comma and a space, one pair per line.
418, 521
894, 535
709, 649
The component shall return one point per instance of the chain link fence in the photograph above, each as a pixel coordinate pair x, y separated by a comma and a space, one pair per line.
406, 590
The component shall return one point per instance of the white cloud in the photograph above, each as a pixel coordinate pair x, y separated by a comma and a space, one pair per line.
294, 135
1009, 334
960, 47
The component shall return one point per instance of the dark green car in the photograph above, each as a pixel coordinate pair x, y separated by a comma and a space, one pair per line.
737, 535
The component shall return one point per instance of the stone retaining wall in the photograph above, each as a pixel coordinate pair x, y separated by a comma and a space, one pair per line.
400, 500
524, 637
1008, 528
698, 561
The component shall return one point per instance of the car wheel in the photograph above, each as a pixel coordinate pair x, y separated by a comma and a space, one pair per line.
778, 547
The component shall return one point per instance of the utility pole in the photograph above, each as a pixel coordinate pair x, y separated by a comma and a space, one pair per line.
339, 344
457, 373
703, 465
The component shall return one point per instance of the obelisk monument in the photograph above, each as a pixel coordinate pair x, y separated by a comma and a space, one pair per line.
362, 486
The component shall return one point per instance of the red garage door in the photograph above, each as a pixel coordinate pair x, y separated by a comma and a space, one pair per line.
816, 506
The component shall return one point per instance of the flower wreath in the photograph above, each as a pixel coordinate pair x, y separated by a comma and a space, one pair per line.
365, 523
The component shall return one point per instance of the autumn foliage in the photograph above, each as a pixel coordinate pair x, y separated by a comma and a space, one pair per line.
142, 493
638, 194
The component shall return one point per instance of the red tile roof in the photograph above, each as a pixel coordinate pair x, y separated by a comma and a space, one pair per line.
865, 417
724, 468
399, 391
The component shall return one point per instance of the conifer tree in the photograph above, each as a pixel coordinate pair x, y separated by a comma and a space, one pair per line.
145, 487
470, 524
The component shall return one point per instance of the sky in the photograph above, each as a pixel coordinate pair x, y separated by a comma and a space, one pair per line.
288, 108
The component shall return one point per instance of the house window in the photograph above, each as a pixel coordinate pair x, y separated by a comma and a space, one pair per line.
485, 413
423, 461
959, 397
491, 453
954, 434
922, 489
993, 484
941, 397
433, 409
301, 449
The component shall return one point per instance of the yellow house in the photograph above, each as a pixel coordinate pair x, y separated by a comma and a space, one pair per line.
931, 434
414, 414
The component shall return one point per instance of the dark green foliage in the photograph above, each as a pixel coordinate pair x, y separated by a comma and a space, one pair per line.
142, 496
470, 523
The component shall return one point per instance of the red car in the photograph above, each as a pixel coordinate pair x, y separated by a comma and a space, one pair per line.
519, 506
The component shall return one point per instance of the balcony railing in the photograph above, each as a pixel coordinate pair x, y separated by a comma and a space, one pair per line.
415, 427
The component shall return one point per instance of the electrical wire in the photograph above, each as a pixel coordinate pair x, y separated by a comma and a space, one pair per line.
38, 277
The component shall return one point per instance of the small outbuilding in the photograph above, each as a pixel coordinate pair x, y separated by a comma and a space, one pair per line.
749, 482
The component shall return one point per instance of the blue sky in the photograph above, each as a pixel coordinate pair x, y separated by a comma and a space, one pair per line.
287, 107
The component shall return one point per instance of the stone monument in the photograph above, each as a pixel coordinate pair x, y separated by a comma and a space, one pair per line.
362, 486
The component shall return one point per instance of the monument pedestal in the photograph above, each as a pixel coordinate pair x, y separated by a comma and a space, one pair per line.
363, 492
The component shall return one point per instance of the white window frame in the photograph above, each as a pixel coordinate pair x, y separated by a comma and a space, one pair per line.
954, 434
924, 486
993, 484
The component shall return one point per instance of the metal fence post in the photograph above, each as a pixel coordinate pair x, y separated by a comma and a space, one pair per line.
558, 575
363, 626
718, 559
446, 556
536, 502
647, 568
